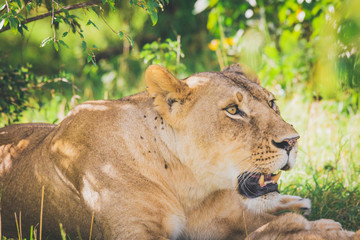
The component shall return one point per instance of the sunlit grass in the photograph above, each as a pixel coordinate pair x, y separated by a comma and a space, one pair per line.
328, 166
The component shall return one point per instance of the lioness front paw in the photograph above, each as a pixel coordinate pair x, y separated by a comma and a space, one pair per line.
326, 224
293, 203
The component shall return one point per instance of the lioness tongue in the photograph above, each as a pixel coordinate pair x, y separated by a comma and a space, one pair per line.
273, 180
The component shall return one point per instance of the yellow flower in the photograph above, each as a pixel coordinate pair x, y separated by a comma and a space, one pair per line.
214, 44
229, 41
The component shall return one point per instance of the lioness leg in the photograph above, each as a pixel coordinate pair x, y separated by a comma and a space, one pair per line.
131, 207
275, 202
294, 203
223, 216
295, 227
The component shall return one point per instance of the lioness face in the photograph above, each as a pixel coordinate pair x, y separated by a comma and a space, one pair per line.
231, 134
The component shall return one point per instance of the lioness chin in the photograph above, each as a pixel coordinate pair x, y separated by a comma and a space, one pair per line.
188, 159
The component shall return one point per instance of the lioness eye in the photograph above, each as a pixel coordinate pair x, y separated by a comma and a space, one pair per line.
232, 110
235, 111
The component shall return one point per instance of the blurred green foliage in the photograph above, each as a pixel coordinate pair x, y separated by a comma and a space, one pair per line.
290, 43
294, 45
167, 54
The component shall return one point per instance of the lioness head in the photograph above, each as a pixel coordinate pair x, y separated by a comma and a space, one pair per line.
228, 128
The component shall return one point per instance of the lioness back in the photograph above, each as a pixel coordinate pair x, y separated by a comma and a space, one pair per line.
15, 139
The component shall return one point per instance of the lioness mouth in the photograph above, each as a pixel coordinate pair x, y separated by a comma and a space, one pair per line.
254, 185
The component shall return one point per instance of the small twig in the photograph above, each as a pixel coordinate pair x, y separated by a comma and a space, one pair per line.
178, 53
222, 41
7, 6
70, 7
220, 59
107, 24
55, 80
41, 211
35, 232
52, 20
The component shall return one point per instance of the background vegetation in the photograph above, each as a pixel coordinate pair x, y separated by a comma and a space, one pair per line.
305, 51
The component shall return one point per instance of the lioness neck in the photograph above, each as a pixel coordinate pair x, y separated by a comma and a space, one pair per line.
166, 160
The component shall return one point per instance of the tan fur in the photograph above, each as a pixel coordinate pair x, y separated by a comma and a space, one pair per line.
162, 164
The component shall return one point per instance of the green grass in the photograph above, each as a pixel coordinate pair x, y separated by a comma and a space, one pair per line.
328, 167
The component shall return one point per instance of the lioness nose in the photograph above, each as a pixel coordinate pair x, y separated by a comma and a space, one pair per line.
287, 144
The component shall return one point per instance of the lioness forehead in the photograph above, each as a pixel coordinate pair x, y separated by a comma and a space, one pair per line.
231, 79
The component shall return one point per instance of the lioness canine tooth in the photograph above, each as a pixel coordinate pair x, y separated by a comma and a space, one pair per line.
261, 180
276, 177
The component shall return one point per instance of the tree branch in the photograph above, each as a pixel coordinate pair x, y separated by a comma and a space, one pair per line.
70, 7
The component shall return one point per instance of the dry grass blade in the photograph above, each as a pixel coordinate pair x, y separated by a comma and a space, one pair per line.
0, 223
20, 225
41, 211
246, 232
62, 231
17, 225
92, 221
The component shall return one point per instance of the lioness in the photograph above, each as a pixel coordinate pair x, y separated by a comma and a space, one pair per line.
188, 159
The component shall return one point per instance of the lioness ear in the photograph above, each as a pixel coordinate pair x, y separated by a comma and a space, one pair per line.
166, 90
160, 81
243, 69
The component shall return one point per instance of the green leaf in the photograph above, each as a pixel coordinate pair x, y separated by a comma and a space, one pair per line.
212, 19
20, 30
164, 45
65, 34
121, 34
92, 23
2, 7
154, 17
133, 2
89, 58
66, 12
63, 43
151, 8
13, 24
56, 46
95, 10
111, 4
129, 39
6, 22
28, 7
83, 45
19, 3
57, 20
